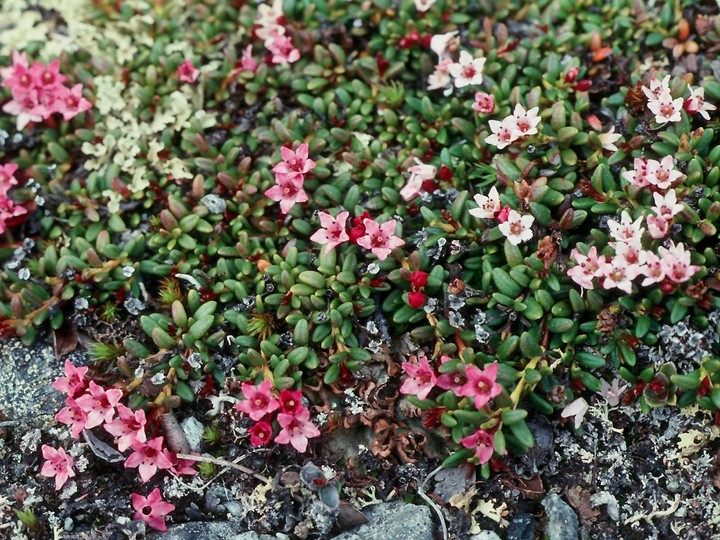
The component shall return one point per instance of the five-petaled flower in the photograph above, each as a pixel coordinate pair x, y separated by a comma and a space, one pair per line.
258, 401
380, 239
421, 378
483, 444
74, 382
261, 433
187, 72
488, 205
149, 457
296, 429
129, 427
467, 70
333, 232
99, 404
152, 509
57, 464
480, 384
517, 228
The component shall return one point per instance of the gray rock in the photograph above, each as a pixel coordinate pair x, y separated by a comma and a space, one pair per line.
393, 521
562, 520
522, 527
26, 373
207, 530
193, 431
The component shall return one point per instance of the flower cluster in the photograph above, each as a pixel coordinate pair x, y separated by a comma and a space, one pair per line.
466, 71
671, 264
418, 280
520, 124
422, 178
38, 92
290, 177
517, 228
292, 416
89, 405
270, 27
8, 208
366, 232
666, 109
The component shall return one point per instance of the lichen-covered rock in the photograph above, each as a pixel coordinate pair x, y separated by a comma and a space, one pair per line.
393, 521
562, 521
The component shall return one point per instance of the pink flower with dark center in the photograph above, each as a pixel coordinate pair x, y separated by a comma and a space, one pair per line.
481, 385
295, 164
653, 270
667, 207
47, 76
626, 230
7, 178
586, 268
421, 379
181, 466
662, 173
282, 49
74, 382
72, 415
657, 88
152, 509
638, 177
149, 457
99, 404
57, 464
658, 227
503, 214
482, 442
617, 273
419, 173
128, 427
450, 381
261, 433
517, 228
676, 263
467, 70
287, 192
296, 430
503, 133
291, 401
333, 232
258, 401
380, 239
71, 102
187, 72
666, 109
631, 253
484, 103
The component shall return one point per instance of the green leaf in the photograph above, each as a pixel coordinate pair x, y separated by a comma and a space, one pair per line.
505, 284
201, 326
162, 339
513, 416
523, 434
136, 348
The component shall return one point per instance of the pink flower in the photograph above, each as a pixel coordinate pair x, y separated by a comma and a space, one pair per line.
676, 263
503, 133
282, 50
71, 102
74, 416
503, 214
653, 269
422, 379
333, 232
7, 178
380, 239
667, 207
296, 430
181, 466
450, 381
57, 464
696, 104
440, 77
258, 401
639, 176
467, 70
128, 427
187, 72
247, 62
74, 382
612, 393
419, 173
657, 88
99, 404
482, 442
586, 268
517, 228
577, 409
484, 103
287, 191
152, 509
261, 433
149, 457
662, 173
481, 385
295, 164
617, 273
291, 401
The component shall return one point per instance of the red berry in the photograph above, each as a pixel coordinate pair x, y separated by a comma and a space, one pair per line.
416, 299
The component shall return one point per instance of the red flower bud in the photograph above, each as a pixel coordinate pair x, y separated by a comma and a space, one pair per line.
667, 287
583, 86
416, 299
502, 216
429, 186
571, 75
426, 40
445, 173
418, 278
355, 233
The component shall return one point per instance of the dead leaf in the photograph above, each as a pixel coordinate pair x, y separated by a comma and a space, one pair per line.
102, 450
65, 340
348, 517
579, 498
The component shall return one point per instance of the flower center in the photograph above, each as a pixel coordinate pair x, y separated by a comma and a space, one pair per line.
378, 240
469, 72
667, 109
516, 228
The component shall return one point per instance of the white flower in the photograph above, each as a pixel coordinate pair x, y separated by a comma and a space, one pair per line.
467, 70
665, 108
440, 78
577, 408
424, 5
667, 207
418, 174
626, 229
503, 133
609, 139
517, 228
526, 122
657, 88
488, 205
612, 393
695, 103
439, 44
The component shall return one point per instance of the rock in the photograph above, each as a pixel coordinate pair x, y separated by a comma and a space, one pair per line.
193, 430
207, 530
522, 527
26, 373
562, 520
393, 521
486, 535
449, 482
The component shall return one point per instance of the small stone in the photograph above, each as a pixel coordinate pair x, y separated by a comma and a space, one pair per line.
394, 521
522, 527
215, 204
68, 524
562, 520
193, 430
